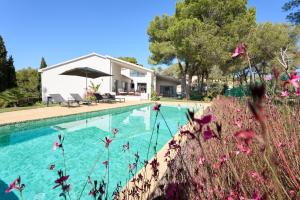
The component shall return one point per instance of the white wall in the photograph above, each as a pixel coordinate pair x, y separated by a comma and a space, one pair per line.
53, 83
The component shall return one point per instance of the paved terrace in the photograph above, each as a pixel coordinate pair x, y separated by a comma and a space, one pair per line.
56, 111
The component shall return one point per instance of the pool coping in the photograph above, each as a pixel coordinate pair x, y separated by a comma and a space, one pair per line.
74, 114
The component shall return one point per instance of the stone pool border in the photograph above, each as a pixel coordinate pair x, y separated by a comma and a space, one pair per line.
90, 112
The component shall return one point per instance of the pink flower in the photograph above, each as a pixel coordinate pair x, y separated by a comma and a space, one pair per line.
204, 120
257, 177
208, 134
156, 107
105, 163
115, 131
238, 123
131, 167
51, 166
268, 77
11, 186
294, 78
245, 135
15, 185
107, 142
126, 146
61, 179
297, 93
284, 93
201, 160
244, 148
55, 145
240, 50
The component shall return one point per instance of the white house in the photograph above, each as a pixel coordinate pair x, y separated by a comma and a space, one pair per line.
130, 80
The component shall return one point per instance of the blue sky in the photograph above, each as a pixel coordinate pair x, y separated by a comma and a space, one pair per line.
61, 30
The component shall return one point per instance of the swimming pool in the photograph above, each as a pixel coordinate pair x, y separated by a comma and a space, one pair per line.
26, 148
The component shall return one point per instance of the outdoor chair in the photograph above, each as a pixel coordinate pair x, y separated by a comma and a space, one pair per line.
79, 99
113, 97
104, 99
57, 98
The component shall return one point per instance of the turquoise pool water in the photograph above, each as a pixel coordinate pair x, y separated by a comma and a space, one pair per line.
26, 148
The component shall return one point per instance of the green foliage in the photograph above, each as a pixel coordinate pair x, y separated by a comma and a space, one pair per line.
294, 15
94, 87
172, 71
10, 97
154, 96
129, 59
7, 69
28, 80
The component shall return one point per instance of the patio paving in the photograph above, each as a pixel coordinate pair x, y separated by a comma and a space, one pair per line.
55, 111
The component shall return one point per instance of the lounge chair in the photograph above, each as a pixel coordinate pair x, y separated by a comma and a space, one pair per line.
79, 99
113, 97
104, 99
57, 98
122, 92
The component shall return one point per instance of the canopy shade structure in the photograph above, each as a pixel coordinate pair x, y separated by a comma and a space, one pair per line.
86, 72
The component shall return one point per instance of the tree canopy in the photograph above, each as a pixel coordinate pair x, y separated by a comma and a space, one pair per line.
129, 59
294, 13
7, 68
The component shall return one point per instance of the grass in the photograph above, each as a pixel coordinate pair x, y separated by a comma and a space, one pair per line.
11, 109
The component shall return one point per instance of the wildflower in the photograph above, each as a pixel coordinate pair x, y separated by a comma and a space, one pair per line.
220, 162
238, 123
285, 93
61, 179
107, 142
240, 50
245, 135
293, 80
187, 132
51, 166
15, 185
55, 145
268, 77
105, 163
204, 120
156, 107
126, 147
131, 167
201, 160
244, 148
208, 134
297, 93
257, 177
115, 131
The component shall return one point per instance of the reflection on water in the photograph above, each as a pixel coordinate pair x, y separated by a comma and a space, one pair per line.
22, 133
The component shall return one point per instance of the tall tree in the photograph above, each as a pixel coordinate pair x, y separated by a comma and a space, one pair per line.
39, 85
294, 15
3, 65
200, 35
11, 80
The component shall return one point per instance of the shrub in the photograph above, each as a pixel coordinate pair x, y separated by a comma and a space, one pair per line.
154, 96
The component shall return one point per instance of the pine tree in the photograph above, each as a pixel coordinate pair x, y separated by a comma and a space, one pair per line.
3, 64
11, 80
42, 65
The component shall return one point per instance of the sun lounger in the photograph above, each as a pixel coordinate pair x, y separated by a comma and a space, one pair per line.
57, 98
113, 97
103, 98
79, 99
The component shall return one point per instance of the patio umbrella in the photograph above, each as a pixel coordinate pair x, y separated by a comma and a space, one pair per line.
86, 72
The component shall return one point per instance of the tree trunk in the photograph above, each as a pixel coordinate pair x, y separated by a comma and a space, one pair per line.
189, 85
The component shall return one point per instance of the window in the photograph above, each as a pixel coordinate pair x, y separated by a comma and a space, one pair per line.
134, 73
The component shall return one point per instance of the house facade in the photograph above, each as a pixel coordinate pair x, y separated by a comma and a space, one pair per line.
127, 79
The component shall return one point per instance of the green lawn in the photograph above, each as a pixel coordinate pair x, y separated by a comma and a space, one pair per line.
2, 110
